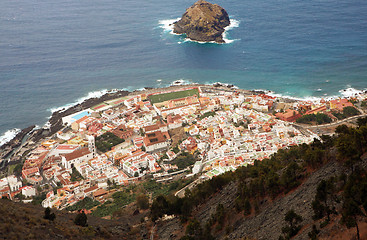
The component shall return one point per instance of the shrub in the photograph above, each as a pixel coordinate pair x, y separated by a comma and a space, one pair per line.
81, 219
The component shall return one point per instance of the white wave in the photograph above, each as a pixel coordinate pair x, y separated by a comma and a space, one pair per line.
233, 24
8, 135
351, 92
190, 40
180, 82
167, 26
95, 94
225, 85
344, 93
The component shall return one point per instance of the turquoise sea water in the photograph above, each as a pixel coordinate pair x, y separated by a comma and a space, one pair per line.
55, 52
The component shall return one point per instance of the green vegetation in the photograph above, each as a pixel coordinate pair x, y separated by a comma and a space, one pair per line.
81, 219
157, 188
184, 160
347, 112
319, 118
106, 141
217, 218
292, 227
364, 103
244, 123
207, 114
195, 231
176, 150
108, 208
37, 200
173, 95
17, 169
283, 172
321, 205
142, 201
86, 203
75, 175
135, 193
48, 215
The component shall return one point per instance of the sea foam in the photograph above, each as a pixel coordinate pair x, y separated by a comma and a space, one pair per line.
95, 94
8, 135
167, 26
343, 93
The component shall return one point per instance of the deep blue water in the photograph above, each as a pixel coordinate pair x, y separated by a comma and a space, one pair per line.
53, 52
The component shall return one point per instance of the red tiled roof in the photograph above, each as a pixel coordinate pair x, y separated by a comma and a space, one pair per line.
77, 153
91, 189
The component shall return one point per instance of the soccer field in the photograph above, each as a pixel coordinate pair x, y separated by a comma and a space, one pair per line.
173, 95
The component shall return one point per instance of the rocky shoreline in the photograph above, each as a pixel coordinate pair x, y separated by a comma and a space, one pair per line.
7, 148
55, 123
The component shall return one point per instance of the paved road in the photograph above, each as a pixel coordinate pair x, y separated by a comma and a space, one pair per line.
330, 124
181, 193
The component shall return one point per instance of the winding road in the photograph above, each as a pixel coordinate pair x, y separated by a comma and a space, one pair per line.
330, 124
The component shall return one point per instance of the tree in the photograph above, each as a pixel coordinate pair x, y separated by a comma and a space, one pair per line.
355, 196
313, 234
350, 213
81, 219
292, 219
194, 229
159, 207
142, 201
247, 207
320, 204
350, 111
48, 215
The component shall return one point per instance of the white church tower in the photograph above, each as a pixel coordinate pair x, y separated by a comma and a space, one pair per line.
91, 145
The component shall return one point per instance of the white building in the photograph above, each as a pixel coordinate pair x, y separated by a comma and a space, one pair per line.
14, 183
28, 191
78, 156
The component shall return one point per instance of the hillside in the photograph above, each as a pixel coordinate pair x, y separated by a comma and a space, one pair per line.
316, 191
325, 184
26, 221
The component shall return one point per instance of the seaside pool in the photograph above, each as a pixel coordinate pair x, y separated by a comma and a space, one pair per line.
80, 115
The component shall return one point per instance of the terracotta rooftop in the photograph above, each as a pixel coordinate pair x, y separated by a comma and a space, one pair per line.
77, 153
154, 138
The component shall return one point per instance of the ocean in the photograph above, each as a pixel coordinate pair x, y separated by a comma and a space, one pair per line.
54, 53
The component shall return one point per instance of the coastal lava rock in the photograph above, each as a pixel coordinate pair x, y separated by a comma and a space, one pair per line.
204, 22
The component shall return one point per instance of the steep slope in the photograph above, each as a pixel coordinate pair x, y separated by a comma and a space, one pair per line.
26, 221
316, 191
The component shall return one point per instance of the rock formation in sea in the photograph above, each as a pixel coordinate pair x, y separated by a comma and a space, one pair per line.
204, 22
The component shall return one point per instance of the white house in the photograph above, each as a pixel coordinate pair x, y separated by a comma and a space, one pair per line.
28, 191
14, 183
78, 156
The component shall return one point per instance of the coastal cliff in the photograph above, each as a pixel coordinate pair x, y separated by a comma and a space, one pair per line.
203, 21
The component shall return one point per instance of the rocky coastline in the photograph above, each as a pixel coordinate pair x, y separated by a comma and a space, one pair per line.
55, 121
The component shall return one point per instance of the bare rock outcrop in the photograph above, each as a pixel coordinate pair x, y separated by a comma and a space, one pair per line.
204, 22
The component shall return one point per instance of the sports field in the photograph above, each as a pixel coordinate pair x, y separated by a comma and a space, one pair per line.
173, 95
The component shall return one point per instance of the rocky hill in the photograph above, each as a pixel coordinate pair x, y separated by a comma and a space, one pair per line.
26, 221
204, 22
316, 191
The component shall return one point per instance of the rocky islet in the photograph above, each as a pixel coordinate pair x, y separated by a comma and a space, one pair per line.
204, 22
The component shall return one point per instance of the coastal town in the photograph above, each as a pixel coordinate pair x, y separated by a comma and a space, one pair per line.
190, 131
